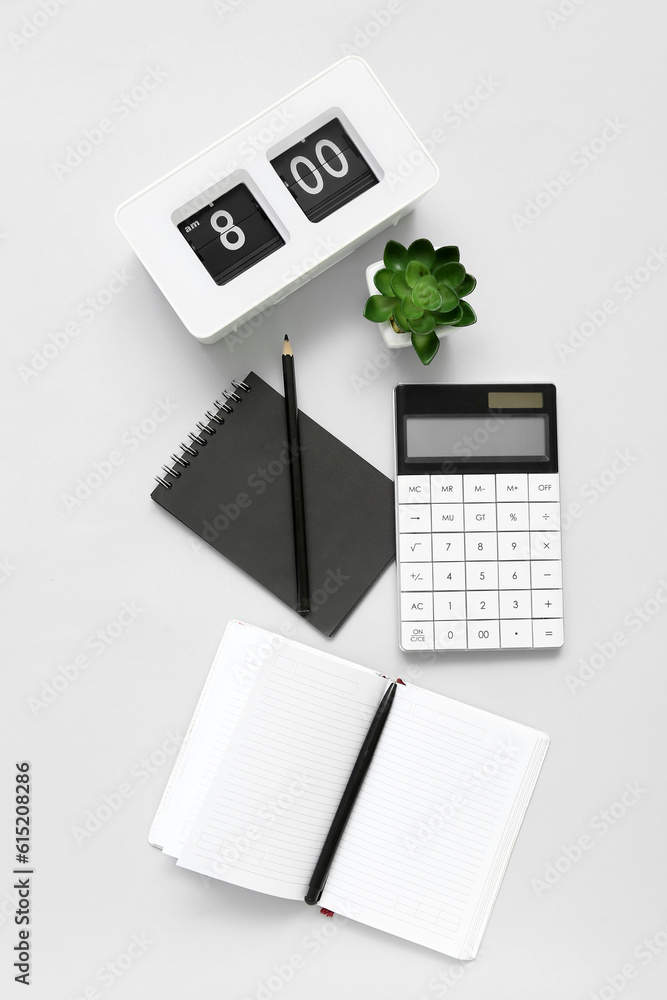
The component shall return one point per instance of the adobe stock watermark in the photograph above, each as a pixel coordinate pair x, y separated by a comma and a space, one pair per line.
372, 368
121, 108
580, 159
96, 644
597, 486
453, 118
635, 621
600, 825
312, 263
252, 144
110, 972
7, 570
102, 470
312, 944
86, 311
32, 24
565, 9
645, 953
625, 288
365, 33
446, 979
112, 802
246, 330
234, 850
475, 781
222, 7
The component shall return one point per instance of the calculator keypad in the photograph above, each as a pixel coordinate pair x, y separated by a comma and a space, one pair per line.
480, 561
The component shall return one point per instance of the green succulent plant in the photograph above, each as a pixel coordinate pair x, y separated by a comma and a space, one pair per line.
421, 288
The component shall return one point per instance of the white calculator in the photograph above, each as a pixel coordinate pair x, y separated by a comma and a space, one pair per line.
477, 517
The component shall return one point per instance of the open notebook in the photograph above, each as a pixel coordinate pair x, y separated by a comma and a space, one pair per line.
266, 759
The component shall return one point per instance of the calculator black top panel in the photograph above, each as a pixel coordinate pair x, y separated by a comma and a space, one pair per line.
476, 428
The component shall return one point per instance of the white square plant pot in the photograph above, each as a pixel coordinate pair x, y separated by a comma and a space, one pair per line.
389, 335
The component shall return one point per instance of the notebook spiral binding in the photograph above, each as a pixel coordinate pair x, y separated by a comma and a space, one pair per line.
199, 437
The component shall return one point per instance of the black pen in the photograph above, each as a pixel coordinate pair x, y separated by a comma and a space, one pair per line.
296, 482
362, 763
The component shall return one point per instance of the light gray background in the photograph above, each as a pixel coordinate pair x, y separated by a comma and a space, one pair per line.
67, 571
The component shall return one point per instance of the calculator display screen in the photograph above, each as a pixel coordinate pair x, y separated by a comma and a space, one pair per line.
481, 437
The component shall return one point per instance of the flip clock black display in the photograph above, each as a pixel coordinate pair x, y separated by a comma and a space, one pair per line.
324, 171
231, 234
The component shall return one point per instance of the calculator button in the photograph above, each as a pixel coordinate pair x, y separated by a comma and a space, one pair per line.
447, 516
548, 632
514, 575
446, 489
513, 545
515, 604
449, 576
512, 517
482, 575
449, 606
544, 574
545, 517
414, 548
483, 635
480, 517
516, 634
415, 636
414, 517
414, 489
545, 544
482, 604
417, 576
547, 604
511, 487
448, 548
543, 486
417, 607
450, 635
481, 545
479, 489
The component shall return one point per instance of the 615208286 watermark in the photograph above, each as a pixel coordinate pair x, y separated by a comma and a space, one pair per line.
22, 949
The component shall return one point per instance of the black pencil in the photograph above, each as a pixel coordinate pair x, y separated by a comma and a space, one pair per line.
348, 798
296, 482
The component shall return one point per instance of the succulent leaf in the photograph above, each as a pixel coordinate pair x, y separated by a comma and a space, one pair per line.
451, 274
399, 285
422, 250
468, 317
395, 256
443, 255
425, 324
467, 286
450, 298
401, 319
382, 281
449, 318
414, 271
411, 309
379, 308
426, 346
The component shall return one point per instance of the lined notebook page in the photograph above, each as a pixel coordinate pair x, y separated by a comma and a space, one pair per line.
229, 684
425, 834
271, 802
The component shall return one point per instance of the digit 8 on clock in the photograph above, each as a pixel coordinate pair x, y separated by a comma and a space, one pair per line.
231, 234
324, 171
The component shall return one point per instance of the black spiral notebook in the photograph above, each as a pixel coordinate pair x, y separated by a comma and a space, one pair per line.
230, 485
